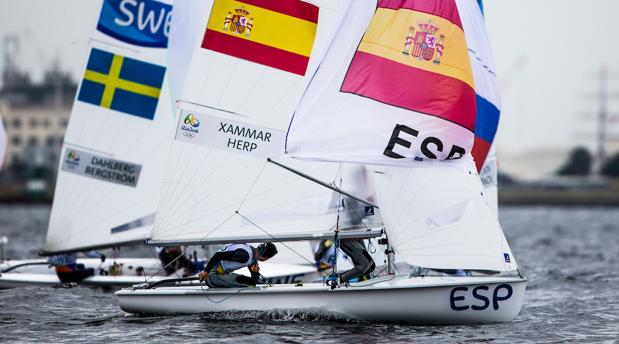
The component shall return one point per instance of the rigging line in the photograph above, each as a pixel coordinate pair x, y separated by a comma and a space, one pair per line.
182, 253
212, 59
231, 81
181, 173
184, 186
269, 112
274, 238
232, 205
283, 184
332, 187
168, 214
208, 298
337, 173
252, 186
221, 185
169, 176
253, 88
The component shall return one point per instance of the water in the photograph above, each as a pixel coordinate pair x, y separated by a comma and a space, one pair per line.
570, 254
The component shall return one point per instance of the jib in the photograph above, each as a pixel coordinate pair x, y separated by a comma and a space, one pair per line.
458, 297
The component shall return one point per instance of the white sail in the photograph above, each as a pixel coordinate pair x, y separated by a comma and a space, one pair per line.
184, 34
110, 171
437, 217
235, 108
433, 206
488, 98
362, 104
489, 179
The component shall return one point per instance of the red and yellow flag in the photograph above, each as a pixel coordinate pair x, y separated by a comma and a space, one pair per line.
414, 56
275, 33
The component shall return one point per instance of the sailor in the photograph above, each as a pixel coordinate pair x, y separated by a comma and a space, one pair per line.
172, 259
324, 254
218, 273
363, 264
68, 270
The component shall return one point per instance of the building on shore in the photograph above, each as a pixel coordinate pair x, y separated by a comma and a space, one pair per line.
35, 117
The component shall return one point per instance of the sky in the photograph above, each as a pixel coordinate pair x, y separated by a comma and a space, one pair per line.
548, 54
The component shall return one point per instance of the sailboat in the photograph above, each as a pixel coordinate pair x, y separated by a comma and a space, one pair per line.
393, 89
110, 173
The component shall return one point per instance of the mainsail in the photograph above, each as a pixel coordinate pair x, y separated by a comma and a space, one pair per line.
110, 170
249, 65
402, 95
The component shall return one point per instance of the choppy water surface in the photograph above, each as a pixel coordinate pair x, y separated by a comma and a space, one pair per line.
571, 256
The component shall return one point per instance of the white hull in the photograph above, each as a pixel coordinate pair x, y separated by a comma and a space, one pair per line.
420, 300
43, 275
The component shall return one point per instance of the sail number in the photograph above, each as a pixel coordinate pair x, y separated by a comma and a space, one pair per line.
431, 147
459, 297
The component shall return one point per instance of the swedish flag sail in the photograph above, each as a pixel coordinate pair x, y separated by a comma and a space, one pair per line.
110, 168
121, 83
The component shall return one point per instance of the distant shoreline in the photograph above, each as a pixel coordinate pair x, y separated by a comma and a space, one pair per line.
508, 197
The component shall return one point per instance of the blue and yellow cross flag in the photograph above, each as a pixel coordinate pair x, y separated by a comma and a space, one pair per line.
121, 83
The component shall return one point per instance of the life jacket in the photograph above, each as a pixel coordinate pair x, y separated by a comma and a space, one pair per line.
227, 266
328, 257
64, 262
66, 268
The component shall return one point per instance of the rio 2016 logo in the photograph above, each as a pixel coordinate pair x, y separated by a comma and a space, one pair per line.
190, 126
192, 120
73, 158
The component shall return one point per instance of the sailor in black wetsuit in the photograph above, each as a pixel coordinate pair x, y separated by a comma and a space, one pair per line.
218, 273
68, 270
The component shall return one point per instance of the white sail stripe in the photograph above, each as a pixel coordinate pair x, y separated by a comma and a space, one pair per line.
234, 207
213, 192
182, 172
164, 215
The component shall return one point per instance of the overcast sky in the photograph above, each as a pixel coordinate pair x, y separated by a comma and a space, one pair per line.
548, 54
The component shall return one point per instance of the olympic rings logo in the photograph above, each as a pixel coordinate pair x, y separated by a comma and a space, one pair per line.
189, 135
